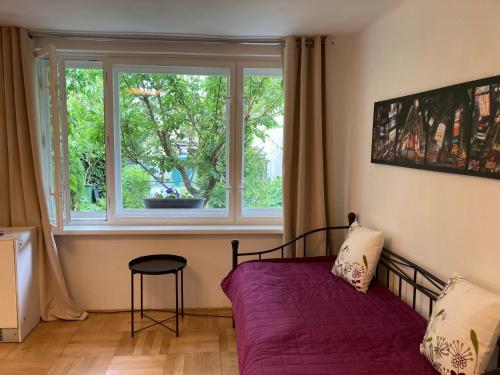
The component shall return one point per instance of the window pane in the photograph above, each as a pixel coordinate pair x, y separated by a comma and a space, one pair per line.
173, 129
86, 146
263, 138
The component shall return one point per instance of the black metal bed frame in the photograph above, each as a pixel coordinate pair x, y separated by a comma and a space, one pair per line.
406, 271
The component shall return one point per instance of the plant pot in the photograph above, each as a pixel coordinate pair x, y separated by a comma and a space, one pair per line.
174, 202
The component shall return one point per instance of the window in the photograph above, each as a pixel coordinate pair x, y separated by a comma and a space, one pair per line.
157, 141
85, 151
262, 141
173, 141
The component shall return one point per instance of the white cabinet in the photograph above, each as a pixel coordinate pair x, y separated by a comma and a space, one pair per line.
19, 295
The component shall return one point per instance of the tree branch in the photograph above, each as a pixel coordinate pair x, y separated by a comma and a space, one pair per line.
191, 118
169, 153
250, 106
216, 109
131, 153
167, 149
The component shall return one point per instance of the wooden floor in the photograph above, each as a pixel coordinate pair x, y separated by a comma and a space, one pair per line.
101, 344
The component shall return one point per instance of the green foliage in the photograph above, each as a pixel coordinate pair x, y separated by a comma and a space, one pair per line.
136, 185
264, 104
86, 206
176, 122
171, 123
85, 108
76, 179
259, 190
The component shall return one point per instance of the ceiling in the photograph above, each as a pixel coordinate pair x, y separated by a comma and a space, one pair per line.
196, 17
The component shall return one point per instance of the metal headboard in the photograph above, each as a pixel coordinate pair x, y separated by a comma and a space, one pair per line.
410, 273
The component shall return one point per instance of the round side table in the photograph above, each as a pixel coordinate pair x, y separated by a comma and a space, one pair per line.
159, 264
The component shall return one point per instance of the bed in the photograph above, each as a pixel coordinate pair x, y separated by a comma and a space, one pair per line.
293, 317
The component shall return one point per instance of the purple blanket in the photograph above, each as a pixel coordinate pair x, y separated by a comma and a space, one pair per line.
294, 317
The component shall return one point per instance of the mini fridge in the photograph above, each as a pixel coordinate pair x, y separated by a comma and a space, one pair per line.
19, 294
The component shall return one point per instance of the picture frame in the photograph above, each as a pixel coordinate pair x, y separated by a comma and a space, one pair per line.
453, 129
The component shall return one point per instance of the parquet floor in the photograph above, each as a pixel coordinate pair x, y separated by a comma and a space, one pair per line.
101, 345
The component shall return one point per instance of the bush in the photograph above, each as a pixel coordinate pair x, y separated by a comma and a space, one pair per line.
136, 185
76, 181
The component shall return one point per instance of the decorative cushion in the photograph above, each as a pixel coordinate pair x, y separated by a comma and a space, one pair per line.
463, 329
358, 256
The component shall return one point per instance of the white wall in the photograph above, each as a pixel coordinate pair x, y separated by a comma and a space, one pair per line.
96, 268
342, 89
443, 221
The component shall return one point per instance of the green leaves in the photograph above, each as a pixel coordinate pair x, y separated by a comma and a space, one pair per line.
173, 124
136, 186
263, 106
177, 125
85, 110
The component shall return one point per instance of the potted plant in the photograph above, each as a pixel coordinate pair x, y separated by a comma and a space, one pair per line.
172, 199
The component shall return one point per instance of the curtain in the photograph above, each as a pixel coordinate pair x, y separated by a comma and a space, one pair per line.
22, 201
307, 159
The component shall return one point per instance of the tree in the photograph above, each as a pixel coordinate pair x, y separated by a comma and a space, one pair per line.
263, 106
171, 123
85, 108
178, 122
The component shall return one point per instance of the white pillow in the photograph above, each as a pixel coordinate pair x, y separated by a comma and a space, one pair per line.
358, 256
463, 329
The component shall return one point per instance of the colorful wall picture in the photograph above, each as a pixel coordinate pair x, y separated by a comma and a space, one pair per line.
453, 129
384, 131
411, 138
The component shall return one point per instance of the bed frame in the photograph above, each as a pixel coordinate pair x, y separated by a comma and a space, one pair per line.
407, 273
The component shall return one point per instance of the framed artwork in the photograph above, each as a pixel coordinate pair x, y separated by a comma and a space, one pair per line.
454, 129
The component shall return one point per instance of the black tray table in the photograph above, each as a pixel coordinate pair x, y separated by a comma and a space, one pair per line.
158, 264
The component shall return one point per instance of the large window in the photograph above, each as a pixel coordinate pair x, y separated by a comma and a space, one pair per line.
173, 140
183, 142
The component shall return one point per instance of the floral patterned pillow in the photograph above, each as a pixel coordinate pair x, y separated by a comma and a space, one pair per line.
463, 329
358, 256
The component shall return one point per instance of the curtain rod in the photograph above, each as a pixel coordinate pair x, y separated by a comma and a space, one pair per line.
155, 37
166, 37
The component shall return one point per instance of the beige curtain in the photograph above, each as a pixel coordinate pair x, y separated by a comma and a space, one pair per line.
22, 201
307, 159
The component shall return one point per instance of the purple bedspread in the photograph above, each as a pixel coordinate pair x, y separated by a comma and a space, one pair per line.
295, 317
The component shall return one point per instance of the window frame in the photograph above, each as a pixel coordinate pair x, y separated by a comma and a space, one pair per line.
47, 104
72, 217
111, 65
248, 214
184, 216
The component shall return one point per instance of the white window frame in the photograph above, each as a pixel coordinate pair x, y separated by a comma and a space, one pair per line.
168, 215
250, 213
74, 216
50, 134
111, 65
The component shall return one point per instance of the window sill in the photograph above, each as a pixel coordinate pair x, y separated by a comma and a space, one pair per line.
82, 230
